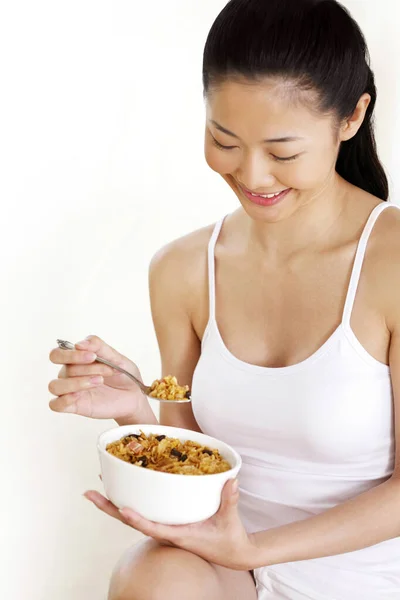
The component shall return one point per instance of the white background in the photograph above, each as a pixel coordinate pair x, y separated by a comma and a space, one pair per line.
101, 161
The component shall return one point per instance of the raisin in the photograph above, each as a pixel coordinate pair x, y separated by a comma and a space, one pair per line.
183, 457
176, 453
207, 451
132, 435
160, 438
143, 460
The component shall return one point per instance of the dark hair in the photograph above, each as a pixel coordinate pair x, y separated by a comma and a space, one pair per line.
318, 46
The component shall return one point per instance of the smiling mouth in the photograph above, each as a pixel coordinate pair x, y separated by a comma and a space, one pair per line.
266, 196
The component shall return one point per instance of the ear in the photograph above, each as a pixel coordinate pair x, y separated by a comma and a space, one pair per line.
350, 127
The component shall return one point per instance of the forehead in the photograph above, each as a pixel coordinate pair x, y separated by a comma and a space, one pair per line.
266, 109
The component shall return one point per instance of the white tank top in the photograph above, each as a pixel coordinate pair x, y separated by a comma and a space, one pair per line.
311, 435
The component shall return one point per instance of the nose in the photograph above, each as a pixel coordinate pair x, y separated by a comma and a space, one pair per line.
255, 173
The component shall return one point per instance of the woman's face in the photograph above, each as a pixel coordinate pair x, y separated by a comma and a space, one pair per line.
260, 141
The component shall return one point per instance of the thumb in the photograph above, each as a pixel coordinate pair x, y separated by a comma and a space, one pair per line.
229, 497
95, 344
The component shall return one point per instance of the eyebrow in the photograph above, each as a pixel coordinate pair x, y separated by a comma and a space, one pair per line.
288, 138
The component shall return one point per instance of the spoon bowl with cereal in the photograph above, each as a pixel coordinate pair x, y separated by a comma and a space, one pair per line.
166, 389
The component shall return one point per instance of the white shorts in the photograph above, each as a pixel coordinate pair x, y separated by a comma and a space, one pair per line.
273, 586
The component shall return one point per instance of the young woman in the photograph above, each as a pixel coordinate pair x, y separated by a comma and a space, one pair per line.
288, 328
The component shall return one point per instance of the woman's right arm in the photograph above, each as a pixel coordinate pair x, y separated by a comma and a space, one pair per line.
171, 296
116, 396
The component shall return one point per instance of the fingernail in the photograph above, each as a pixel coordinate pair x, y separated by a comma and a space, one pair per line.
235, 486
98, 379
83, 344
90, 356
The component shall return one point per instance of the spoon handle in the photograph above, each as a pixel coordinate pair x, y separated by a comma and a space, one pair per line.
69, 346
143, 387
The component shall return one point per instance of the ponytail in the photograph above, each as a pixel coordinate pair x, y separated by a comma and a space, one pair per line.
358, 160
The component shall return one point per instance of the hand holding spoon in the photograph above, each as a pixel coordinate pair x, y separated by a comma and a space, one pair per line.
146, 389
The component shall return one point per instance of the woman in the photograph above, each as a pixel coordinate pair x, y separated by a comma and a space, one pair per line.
288, 327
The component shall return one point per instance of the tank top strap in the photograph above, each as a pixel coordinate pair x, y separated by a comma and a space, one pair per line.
359, 260
211, 266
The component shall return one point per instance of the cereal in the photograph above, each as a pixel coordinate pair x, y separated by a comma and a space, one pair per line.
167, 388
169, 455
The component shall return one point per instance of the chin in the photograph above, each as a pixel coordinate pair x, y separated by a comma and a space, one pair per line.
271, 214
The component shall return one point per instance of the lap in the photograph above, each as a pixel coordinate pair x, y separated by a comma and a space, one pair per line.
151, 571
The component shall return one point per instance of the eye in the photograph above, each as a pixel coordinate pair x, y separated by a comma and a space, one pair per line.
286, 158
220, 146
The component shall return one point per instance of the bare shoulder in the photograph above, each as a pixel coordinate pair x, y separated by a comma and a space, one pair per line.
385, 239
385, 262
178, 272
182, 258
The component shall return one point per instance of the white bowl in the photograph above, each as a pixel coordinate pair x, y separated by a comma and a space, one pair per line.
166, 498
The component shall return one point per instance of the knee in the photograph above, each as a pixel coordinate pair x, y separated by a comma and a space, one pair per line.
150, 571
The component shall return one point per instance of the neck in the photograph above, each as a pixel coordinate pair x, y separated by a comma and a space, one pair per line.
312, 223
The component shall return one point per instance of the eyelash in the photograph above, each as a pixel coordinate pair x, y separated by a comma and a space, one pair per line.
221, 147
277, 158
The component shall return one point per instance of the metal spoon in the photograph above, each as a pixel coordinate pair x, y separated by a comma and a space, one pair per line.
146, 389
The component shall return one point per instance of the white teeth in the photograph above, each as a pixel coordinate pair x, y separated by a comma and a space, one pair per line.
269, 196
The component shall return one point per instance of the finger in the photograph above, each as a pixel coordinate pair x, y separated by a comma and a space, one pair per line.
78, 403
59, 387
67, 357
82, 370
168, 533
229, 498
62, 373
95, 344
66, 404
103, 504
